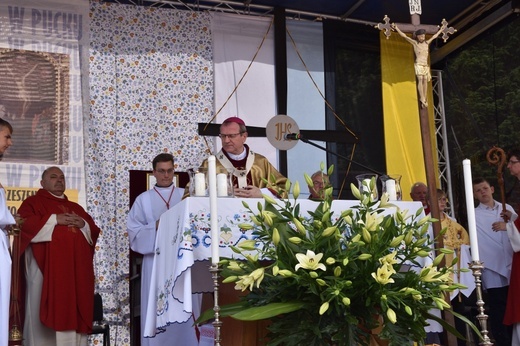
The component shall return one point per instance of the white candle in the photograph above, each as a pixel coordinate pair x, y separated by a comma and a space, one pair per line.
200, 184
222, 185
472, 223
212, 182
390, 189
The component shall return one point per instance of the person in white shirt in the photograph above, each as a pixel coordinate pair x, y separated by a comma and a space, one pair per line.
496, 254
6, 219
142, 224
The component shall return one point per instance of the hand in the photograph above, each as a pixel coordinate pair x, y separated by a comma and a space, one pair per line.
499, 226
506, 215
19, 220
71, 220
248, 192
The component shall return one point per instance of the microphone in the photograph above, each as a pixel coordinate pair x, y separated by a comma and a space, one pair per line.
292, 136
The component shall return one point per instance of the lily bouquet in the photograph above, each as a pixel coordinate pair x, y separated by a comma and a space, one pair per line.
326, 278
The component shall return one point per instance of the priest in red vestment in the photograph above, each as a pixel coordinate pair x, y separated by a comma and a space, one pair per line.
512, 314
57, 242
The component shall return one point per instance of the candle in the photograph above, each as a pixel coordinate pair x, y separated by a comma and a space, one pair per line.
390, 189
212, 182
472, 223
200, 184
222, 185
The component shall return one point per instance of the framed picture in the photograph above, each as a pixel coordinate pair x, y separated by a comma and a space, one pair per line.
34, 98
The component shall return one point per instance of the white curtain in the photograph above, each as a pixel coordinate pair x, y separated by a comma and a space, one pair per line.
305, 104
236, 40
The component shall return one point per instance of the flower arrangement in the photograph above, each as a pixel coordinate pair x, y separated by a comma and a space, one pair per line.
331, 279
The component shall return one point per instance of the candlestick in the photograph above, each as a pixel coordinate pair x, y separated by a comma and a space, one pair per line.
391, 190
477, 267
212, 182
472, 223
200, 184
222, 185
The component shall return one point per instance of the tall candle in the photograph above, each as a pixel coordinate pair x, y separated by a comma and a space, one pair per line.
222, 185
200, 184
390, 189
472, 223
212, 182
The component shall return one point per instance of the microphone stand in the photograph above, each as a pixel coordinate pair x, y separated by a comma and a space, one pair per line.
341, 156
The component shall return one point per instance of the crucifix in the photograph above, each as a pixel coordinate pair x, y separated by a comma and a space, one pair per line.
419, 43
422, 71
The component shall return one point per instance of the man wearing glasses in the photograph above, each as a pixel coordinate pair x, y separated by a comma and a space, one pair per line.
142, 223
320, 181
250, 169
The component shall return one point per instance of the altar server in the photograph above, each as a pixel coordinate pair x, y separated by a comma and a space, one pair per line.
142, 224
6, 219
497, 254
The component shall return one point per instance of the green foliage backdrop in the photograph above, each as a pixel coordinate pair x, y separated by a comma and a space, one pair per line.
482, 103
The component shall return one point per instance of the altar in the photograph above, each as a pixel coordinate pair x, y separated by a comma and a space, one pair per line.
183, 247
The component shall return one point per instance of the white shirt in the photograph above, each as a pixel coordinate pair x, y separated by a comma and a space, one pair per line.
495, 248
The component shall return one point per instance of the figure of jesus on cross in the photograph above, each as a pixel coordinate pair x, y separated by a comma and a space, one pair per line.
421, 49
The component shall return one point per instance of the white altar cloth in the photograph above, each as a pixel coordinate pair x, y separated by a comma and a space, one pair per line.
183, 247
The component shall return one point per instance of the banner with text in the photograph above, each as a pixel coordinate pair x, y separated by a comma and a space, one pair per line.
41, 92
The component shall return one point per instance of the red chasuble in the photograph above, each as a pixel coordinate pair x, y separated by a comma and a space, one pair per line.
512, 314
66, 263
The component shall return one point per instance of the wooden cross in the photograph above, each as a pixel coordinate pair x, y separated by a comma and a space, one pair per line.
386, 27
411, 28
415, 14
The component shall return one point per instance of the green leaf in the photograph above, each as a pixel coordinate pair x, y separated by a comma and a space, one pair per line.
267, 311
468, 322
225, 311
448, 327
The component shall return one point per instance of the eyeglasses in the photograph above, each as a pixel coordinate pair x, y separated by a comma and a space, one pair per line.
230, 136
165, 171
512, 162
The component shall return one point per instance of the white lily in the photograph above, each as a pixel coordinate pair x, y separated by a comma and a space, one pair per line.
309, 261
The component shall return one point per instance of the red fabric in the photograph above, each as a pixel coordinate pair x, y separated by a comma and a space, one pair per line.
66, 263
512, 314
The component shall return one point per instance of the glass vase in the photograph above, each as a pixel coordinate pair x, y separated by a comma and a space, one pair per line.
199, 182
364, 184
391, 184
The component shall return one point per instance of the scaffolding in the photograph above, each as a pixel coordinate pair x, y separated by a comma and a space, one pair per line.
443, 156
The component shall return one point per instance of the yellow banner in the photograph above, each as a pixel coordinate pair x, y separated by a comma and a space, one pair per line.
403, 144
16, 195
